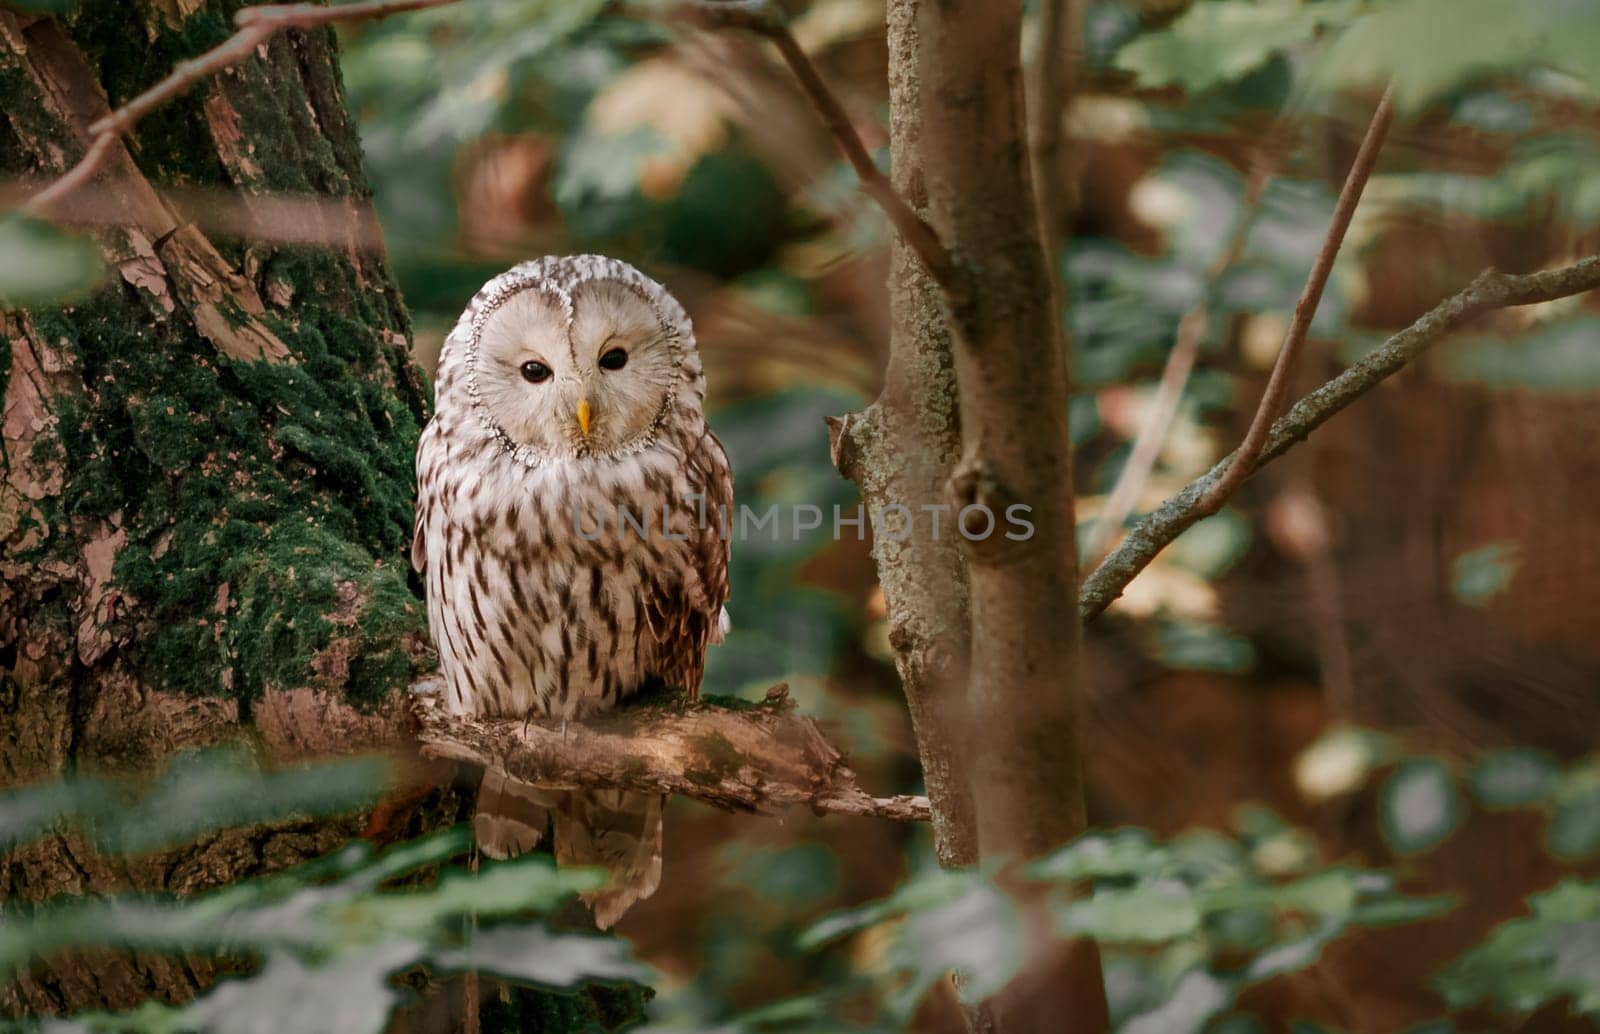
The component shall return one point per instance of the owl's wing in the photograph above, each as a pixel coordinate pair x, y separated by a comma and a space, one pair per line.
687, 617
419, 539
419, 524
712, 542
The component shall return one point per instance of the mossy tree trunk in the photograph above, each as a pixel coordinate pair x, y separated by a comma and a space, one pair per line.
206, 465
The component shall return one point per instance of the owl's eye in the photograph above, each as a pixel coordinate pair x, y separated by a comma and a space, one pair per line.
615, 359
535, 372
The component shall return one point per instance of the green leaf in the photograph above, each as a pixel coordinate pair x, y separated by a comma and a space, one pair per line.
1420, 806
532, 953
528, 884
1147, 914
1293, 956
1575, 827
1428, 49
26, 814
43, 265
978, 934
792, 877
1515, 778
1528, 963
1223, 40
1484, 573
1125, 852
1198, 997
1213, 545
1557, 358
223, 787
1203, 647
350, 995
926, 891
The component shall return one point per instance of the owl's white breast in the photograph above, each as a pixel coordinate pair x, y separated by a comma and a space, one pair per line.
531, 610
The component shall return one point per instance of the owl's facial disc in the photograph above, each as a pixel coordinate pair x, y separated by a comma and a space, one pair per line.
593, 383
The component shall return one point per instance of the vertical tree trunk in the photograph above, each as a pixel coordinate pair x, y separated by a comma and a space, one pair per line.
207, 461
206, 465
900, 452
960, 151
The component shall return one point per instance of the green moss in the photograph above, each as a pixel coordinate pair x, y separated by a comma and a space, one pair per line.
523, 1010
173, 142
722, 760
267, 506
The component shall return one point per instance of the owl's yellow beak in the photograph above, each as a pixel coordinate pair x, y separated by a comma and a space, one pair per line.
584, 416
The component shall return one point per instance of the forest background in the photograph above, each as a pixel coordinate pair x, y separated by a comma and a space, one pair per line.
1336, 739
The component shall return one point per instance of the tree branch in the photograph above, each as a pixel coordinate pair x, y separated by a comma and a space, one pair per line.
1248, 454
1152, 434
1057, 74
257, 25
765, 19
744, 759
1491, 290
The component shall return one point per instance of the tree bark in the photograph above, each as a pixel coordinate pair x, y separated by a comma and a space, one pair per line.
960, 150
900, 452
205, 465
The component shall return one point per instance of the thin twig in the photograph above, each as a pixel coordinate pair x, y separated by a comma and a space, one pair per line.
1174, 378
257, 25
1057, 73
765, 19
1490, 291
1249, 453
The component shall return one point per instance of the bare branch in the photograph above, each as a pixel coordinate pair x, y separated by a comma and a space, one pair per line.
257, 25
315, 219
1174, 377
1057, 74
1491, 290
747, 759
764, 18
1249, 453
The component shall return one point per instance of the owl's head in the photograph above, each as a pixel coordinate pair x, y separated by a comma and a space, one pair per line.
574, 356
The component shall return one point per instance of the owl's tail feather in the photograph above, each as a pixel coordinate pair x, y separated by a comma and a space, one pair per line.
511, 817
610, 829
620, 832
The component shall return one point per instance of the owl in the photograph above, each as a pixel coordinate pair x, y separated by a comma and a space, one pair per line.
570, 531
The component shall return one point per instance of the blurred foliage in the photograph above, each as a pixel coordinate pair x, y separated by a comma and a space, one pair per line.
1555, 357
1484, 573
331, 936
1526, 964
1186, 925
780, 628
503, 128
1427, 49
458, 105
198, 792
1221, 41
41, 264
1430, 49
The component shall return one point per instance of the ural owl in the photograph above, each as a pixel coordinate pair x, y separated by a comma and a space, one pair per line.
570, 515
